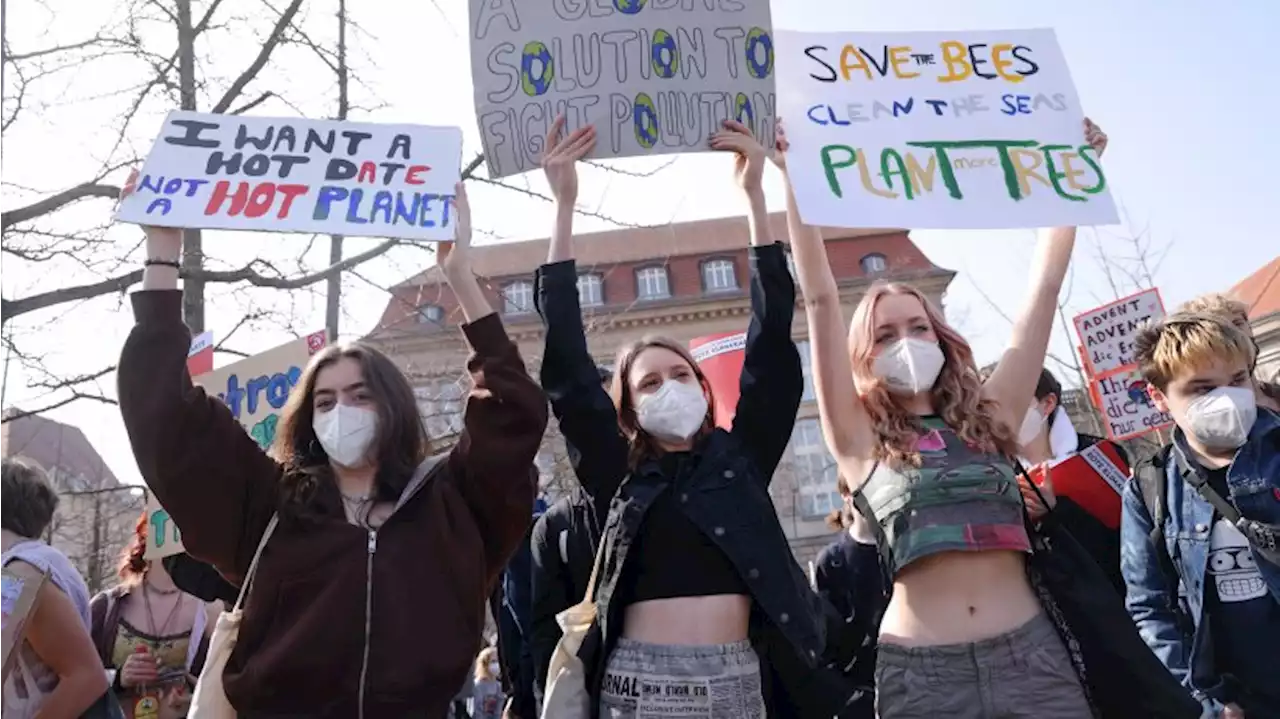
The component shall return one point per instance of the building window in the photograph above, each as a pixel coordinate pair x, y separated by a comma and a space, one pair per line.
517, 298
430, 314
651, 283
815, 471
590, 290
806, 365
874, 263
718, 276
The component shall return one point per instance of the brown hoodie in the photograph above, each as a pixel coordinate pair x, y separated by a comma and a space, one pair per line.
340, 621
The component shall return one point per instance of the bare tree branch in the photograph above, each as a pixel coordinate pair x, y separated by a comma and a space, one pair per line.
253, 103
259, 62
56, 202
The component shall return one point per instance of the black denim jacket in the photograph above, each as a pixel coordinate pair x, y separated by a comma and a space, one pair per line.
726, 495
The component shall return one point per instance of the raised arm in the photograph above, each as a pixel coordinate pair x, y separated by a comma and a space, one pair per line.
846, 425
569, 375
212, 478
505, 416
1014, 379
772, 380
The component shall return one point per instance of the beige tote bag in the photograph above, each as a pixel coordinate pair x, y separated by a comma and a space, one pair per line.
209, 701
566, 696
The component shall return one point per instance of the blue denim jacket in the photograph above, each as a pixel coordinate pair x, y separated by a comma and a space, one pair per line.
1162, 605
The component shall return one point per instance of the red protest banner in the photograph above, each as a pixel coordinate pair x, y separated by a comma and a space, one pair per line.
720, 357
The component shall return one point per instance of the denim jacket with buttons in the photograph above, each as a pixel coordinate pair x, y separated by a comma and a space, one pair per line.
1169, 608
726, 493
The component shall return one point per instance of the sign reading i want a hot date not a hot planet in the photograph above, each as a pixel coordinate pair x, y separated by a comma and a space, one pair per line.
299, 175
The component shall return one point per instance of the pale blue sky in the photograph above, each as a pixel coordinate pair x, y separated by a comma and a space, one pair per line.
1180, 86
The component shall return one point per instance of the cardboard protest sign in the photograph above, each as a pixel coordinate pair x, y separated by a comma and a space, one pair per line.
17, 598
720, 358
299, 175
255, 389
937, 130
163, 537
653, 76
1107, 332
1127, 409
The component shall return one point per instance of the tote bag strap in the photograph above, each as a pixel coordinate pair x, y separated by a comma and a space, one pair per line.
253, 565
595, 573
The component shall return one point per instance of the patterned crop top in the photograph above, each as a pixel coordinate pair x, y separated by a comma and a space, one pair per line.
960, 499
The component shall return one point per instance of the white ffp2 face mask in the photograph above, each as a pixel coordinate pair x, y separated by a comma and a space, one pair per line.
345, 433
1221, 419
674, 412
909, 366
1032, 423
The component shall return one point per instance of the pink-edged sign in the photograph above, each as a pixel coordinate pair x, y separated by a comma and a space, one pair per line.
720, 357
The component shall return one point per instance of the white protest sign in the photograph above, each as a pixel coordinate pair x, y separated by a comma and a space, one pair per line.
1126, 407
163, 537
299, 175
653, 76
1107, 332
936, 130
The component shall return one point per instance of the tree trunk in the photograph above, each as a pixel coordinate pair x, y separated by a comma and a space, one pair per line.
333, 298
192, 241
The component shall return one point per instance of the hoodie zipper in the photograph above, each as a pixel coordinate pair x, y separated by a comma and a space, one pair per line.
368, 617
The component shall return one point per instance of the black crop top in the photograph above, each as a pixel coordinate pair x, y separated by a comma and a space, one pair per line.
671, 557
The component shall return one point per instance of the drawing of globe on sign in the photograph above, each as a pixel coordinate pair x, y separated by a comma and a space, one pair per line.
536, 69
630, 7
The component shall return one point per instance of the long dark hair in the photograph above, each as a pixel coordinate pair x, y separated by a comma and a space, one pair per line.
643, 445
401, 442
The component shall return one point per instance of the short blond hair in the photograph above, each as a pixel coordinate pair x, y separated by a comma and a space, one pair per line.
1186, 340
1218, 305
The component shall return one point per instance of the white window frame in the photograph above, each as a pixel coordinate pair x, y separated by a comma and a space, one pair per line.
875, 258
816, 492
517, 297
719, 274
588, 281
430, 314
656, 275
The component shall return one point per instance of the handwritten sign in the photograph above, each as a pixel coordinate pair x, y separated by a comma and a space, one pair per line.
937, 130
720, 358
1127, 409
1107, 332
255, 390
299, 175
18, 596
163, 537
653, 76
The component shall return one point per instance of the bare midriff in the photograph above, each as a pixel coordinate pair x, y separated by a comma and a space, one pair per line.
688, 621
959, 597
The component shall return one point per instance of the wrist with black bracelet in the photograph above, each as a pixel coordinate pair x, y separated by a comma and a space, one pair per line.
158, 262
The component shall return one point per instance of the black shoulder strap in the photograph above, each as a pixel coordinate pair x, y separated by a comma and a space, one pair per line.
1153, 483
882, 542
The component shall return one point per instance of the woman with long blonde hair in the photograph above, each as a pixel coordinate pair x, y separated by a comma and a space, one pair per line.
924, 444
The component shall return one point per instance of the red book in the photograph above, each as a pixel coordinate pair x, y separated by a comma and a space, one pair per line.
1092, 478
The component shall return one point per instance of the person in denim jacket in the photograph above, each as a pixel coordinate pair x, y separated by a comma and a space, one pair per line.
1204, 586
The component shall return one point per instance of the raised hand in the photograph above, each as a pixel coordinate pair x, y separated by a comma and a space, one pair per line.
163, 243
780, 146
748, 166
1094, 135
455, 257
560, 158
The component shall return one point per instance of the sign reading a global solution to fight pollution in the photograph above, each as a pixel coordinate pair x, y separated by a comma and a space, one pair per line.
231, 172
653, 76
255, 390
975, 129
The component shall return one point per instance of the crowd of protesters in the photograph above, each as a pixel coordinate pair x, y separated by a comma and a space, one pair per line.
965, 582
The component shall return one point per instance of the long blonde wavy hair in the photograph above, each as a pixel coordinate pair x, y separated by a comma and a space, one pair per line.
957, 394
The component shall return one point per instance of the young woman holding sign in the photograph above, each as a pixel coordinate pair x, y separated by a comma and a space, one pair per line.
369, 597
926, 443
702, 610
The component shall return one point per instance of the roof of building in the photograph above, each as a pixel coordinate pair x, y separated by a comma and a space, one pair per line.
1261, 290
627, 244
52, 444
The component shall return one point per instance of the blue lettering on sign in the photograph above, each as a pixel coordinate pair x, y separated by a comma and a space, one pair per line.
247, 399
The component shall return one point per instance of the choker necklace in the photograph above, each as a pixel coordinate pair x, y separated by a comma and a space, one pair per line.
149, 587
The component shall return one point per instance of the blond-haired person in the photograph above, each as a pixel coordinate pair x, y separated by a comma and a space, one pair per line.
1203, 514
1237, 313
